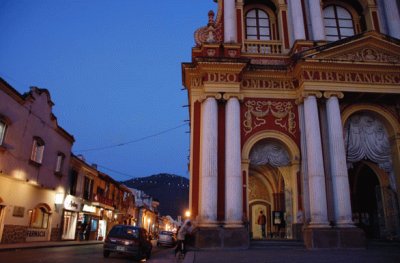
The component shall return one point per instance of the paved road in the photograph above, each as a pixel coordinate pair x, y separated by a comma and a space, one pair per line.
76, 254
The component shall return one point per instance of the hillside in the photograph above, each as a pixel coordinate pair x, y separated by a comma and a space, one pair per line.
171, 190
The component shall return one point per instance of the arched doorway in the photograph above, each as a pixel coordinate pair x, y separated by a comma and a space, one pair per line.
372, 179
366, 202
267, 189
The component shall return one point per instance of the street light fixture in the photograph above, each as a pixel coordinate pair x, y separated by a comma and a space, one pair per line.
187, 214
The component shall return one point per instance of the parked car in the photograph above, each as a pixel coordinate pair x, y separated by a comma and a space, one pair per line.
129, 240
166, 238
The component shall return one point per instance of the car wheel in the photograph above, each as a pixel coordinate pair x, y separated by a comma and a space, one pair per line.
106, 253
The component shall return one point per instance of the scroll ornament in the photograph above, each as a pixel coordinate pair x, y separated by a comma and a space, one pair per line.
257, 111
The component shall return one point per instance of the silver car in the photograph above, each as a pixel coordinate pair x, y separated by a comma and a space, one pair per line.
166, 238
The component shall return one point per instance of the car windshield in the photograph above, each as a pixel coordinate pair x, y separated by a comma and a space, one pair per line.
124, 232
166, 233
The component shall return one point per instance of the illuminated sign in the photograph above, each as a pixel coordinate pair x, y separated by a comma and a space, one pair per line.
89, 208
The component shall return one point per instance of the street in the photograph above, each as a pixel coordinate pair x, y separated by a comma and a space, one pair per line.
90, 253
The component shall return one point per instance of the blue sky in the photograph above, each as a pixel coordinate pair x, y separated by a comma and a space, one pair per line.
113, 69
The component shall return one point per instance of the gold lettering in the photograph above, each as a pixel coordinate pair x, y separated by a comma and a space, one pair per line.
309, 75
347, 77
195, 82
329, 76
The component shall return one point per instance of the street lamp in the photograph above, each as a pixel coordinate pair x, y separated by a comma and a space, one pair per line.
187, 214
148, 223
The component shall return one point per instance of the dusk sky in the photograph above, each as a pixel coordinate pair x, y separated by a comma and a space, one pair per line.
113, 69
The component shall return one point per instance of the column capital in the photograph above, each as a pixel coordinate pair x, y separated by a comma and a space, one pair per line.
304, 94
215, 95
337, 94
227, 96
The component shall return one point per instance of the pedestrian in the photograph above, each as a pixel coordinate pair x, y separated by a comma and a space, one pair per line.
262, 220
182, 232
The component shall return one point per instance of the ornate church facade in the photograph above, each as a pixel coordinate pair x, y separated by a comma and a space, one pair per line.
294, 111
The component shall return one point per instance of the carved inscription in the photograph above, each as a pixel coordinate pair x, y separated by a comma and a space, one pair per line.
268, 84
354, 77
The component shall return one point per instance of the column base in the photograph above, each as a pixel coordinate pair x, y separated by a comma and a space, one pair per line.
221, 238
233, 224
317, 238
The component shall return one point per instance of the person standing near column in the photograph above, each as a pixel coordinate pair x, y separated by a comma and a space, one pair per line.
262, 220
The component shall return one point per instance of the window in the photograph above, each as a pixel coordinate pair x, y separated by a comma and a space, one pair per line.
59, 163
258, 25
37, 150
338, 23
73, 181
87, 188
39, 218
3, 127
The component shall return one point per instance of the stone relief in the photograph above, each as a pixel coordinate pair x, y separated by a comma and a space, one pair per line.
255, 115
369, 55
269, 152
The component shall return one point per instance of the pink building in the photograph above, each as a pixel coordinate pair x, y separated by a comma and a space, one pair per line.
34, 161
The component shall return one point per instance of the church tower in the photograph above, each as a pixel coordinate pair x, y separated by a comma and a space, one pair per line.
294, 111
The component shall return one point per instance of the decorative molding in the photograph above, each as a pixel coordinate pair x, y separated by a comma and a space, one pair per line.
368, 55
338, 94
227, 96
205, 96
306, 94
282, 111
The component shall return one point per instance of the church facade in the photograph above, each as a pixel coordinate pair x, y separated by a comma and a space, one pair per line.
294, 111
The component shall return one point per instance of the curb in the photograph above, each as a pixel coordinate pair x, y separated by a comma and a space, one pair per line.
20, 246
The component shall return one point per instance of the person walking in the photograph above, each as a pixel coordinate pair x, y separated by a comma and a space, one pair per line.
182, 232
262, 220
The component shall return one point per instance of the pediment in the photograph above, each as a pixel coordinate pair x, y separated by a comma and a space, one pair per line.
368, 48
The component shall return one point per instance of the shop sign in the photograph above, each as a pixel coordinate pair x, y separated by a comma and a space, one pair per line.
18, 211
36, 234
89, 208
72, 203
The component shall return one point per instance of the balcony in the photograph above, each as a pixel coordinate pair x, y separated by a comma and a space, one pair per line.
102, 200
257, 47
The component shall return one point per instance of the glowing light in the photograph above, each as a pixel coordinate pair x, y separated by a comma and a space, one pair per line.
59, 198
187, 214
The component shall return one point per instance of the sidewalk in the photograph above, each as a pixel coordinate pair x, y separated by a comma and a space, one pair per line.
31, 245
372, 254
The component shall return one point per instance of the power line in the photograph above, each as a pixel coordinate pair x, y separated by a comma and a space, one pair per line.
132, 141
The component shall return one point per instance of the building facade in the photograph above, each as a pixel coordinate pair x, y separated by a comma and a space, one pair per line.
294, 111
46, 192
34, 160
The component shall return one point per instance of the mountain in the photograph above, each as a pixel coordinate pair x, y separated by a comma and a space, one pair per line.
171, 190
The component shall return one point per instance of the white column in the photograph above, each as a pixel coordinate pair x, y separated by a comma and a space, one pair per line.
209, 164
317, 22
296, 12
340, 180
315, 164
304, 168
233, 178
392, 17
230, 24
